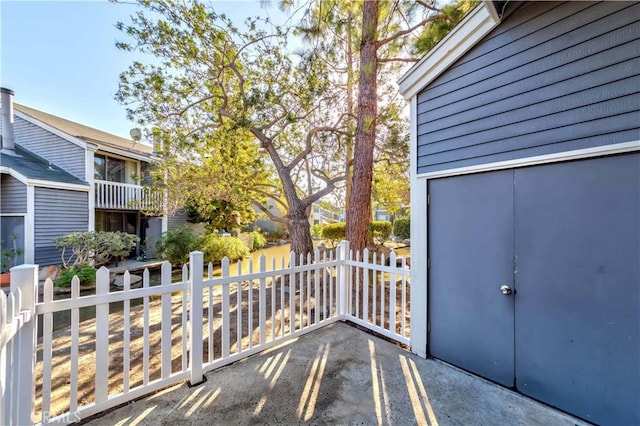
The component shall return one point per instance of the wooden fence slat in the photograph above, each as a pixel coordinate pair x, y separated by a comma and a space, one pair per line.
250, 305
102, 337
282, 297
316, 287
239, 307
195, 317
292, 293
165, 324
382, 292
47, 353
262, 303
307, 300
273, 300
184, 307
226, 335
365, 287
392, 294
145, 330
210, 328
126, 358
73, 371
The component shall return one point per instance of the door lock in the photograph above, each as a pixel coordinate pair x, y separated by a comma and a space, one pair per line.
506, 290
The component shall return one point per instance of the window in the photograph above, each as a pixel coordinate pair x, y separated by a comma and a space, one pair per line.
109, 169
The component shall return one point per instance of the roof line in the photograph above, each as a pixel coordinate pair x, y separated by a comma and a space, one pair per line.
473, 28
73, 139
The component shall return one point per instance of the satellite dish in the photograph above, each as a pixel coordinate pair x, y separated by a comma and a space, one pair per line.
136, 134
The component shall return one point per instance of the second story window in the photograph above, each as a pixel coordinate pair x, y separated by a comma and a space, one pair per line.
109, 169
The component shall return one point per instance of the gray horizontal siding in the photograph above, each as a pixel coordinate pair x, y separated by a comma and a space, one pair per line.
58, 212
178, 219
13, 195
553, 77
64, 154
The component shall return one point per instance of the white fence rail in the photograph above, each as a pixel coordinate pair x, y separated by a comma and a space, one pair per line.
165, 333
17, 346
116, 195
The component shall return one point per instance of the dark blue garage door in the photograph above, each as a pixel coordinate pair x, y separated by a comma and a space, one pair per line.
535, 282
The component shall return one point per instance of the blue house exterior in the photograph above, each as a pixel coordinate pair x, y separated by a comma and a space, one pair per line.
525, 164
58, 176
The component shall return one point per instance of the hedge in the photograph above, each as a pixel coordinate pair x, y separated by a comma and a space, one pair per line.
380, 230
402, 228
216, 247
334, 232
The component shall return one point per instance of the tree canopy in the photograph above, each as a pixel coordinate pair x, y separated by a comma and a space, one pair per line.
260, 119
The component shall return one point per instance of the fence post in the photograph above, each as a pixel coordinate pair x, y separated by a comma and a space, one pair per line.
343, 278
25, 277
196, 269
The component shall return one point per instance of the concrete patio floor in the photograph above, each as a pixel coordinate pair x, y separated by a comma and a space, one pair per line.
337, 375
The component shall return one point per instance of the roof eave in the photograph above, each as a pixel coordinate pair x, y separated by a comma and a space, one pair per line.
473, 28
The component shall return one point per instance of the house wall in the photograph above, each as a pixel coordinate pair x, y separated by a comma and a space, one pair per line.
13, 195
553, 77
57, 212
59, 151
178, 219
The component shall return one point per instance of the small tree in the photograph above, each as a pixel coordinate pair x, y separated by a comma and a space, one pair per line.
94, 248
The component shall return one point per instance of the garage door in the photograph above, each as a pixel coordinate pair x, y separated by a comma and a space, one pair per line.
535, 282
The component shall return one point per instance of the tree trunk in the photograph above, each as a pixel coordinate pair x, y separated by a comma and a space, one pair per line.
349, 154
299, 230
359, 213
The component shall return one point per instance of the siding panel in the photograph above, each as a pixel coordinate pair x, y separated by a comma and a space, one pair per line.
45, 144
58, 212
548, 76
13, 195
178, 219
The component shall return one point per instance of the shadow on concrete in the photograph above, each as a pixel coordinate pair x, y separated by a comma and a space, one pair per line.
337, 375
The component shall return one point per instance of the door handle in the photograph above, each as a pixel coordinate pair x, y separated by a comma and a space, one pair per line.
506, 290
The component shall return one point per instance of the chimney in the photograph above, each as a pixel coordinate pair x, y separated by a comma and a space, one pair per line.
6, 97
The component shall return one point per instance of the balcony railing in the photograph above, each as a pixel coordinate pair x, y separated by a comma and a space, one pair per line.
125, 196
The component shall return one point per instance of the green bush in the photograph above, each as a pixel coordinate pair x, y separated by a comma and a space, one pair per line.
86, 274
275, 235
402, 228
316, 231
94, 248
334, 232
176, 244
379, 231
258, 240
216, 247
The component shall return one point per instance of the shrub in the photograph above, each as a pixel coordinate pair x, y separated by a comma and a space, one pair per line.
402, 228
316, 231
379, 231
86, 274
258, 240
94, 248
275, 235
216, 247
334, 232
176, 244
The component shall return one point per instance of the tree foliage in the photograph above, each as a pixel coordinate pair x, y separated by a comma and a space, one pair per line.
94, 248
233, 110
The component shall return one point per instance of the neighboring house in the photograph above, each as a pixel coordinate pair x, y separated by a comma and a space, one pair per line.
525, 164
57, 177
322, 216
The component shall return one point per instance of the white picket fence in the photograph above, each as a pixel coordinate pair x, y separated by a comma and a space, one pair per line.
175, 331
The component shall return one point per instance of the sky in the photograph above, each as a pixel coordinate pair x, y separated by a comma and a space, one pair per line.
60, 56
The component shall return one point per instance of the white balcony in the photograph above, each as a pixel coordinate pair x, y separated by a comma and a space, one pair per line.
125, 196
